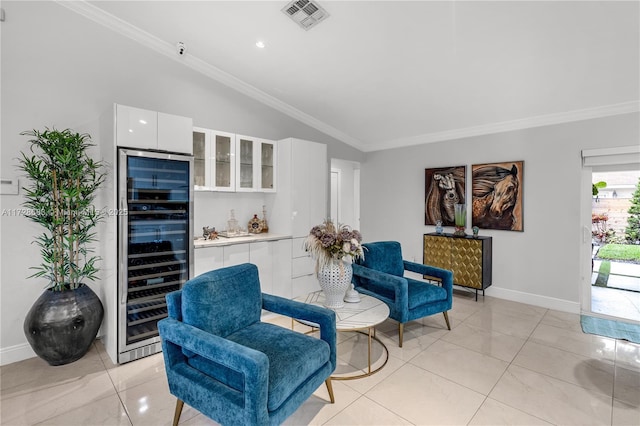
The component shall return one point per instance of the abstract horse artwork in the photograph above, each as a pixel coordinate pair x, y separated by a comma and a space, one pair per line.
497, 195
444, 187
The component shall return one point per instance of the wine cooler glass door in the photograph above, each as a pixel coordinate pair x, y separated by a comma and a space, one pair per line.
156, 258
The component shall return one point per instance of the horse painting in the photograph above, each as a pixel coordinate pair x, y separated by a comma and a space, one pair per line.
497, 197
444, 187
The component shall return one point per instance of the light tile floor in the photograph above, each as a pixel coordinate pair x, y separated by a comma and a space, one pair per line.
503, 363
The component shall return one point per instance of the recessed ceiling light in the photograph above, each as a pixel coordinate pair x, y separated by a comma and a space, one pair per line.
260, 44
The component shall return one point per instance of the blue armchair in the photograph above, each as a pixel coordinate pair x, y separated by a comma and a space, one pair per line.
223, 361
381, 275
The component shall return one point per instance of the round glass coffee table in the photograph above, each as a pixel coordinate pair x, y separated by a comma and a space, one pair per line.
361, 317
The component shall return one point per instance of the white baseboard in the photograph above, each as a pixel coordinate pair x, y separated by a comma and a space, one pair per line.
16, 353
534, 299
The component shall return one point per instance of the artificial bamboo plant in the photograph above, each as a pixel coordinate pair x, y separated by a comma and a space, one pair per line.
63, 185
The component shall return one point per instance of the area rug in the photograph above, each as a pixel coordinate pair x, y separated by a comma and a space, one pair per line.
610, 328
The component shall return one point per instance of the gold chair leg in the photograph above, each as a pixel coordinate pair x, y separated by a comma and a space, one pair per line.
446, 318
330, 389
400, 332
176, 416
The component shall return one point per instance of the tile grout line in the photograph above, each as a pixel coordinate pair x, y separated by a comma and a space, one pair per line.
124, 406
505, 371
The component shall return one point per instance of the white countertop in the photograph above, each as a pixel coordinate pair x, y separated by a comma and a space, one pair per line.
223, 241
365, 314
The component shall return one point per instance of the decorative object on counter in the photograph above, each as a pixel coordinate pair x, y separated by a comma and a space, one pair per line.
460, 220
233, 230
209, 233
334, 249
439, 228
240, 233
232, 224
475, 230
255, 225
352, 296
265, 225
63, 181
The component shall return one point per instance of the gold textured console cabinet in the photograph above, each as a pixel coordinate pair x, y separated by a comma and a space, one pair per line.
469, 258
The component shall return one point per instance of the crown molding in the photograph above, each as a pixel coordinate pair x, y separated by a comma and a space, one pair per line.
122, 27
507, 126
165, 48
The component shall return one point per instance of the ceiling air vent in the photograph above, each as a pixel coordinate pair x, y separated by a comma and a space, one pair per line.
305, 13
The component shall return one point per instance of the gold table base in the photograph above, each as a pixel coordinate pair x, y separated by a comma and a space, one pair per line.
371, 336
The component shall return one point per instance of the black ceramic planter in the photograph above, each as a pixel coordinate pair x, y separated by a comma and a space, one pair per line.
61, 325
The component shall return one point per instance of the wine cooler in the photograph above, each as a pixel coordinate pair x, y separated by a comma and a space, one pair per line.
155, 251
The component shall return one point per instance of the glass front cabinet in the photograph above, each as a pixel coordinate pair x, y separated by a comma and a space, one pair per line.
255, 169
234, 163
214, 160
245, 176
267, 166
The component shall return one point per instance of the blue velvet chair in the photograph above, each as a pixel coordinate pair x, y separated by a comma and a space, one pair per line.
381, 275
223, 361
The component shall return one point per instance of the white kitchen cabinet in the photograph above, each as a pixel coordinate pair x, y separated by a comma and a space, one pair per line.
201, 159
273, 259
233, 163
260, 255
301, 200
223, 151
256, 169
300, 204
174, 133
207, 259
281, 285
245, 166
136, 127
214, 160
303, 270
235, 254
268, 165
144, 129
309, 186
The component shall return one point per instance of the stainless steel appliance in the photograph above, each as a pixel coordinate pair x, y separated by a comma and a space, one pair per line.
155, 250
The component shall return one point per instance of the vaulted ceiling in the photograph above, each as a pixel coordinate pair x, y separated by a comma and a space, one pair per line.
381, 74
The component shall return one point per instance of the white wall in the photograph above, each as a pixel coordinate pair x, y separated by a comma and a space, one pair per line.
540, 265
212, 209
60, 69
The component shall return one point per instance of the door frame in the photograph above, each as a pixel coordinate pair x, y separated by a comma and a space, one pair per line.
597, 160
334, 194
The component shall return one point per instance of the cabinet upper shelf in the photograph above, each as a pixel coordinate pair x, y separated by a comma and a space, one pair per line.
233, 163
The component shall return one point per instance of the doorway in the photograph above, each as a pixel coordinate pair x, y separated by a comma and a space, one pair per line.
615, 280
345, 193
335, 196
609, 289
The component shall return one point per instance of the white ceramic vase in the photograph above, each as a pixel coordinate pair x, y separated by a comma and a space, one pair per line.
335, 280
